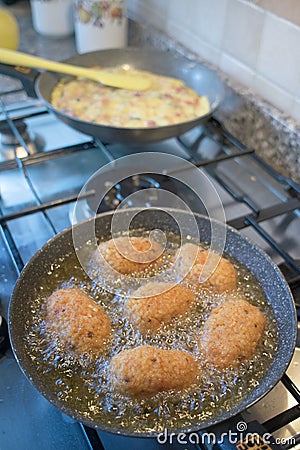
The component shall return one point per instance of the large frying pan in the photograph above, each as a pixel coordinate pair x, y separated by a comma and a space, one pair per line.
203, 80
239, 247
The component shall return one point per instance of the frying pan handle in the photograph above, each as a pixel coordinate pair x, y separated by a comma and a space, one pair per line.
26, 75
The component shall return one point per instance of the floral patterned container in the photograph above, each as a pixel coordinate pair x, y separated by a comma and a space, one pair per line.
52, 18
100, 24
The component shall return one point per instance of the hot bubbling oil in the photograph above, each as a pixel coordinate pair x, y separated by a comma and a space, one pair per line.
82, 382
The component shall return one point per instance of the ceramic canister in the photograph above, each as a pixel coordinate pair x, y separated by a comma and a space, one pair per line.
52, 18
100, 24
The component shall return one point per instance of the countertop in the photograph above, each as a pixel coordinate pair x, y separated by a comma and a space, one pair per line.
32, 42
274, 136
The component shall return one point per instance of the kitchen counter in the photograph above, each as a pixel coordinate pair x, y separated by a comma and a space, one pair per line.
32, 42
258, 125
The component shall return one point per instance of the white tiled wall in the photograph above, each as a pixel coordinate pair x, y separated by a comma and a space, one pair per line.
254, 46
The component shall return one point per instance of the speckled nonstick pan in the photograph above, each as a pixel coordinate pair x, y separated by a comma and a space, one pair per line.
197, 76
239, 247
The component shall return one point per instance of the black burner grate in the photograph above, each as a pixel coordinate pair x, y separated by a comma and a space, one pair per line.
12, 118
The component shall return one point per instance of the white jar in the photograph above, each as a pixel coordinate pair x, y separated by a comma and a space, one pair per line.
52, 18
100, 24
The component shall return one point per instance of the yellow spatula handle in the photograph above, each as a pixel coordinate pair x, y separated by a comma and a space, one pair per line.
125, 81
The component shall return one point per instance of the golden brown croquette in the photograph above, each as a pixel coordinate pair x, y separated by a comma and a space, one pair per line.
186, 256
157, 303
223, 274
231, 333
128, 255
146, 370
77, 320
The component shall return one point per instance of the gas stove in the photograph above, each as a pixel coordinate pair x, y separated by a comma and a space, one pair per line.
43, 166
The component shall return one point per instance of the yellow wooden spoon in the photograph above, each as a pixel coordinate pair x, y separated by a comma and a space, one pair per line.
126, 81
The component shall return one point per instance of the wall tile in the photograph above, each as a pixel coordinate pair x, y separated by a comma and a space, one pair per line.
273, 93
250, 44
194, 43
243, 29
153, 12
209, 20
295, 109
297, 91
206, 51
157, 12
237, 70
133, 7
279, 56
287, 9
181, 12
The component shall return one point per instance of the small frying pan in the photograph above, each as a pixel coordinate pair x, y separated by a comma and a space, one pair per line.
203, 80
23, 302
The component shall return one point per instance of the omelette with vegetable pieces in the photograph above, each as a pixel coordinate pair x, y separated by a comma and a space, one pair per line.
167, 102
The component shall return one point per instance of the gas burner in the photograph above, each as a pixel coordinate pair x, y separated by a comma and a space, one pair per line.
293, 279
247, 187
8, 138
11, 144
119, 192
151, 191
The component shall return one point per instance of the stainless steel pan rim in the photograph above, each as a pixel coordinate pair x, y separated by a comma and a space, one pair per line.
238, 246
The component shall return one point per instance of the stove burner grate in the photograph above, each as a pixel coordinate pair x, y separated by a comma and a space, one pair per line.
232, 150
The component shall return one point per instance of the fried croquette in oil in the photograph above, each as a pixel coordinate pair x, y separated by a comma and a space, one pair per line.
195, 263
79, 321
127, 255
231, 333
157, 303
146, 370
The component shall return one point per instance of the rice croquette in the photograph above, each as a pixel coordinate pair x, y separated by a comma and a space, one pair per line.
128, 254
157, 303
186, 256
223, 277
146, 370
231, 333
77, 320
